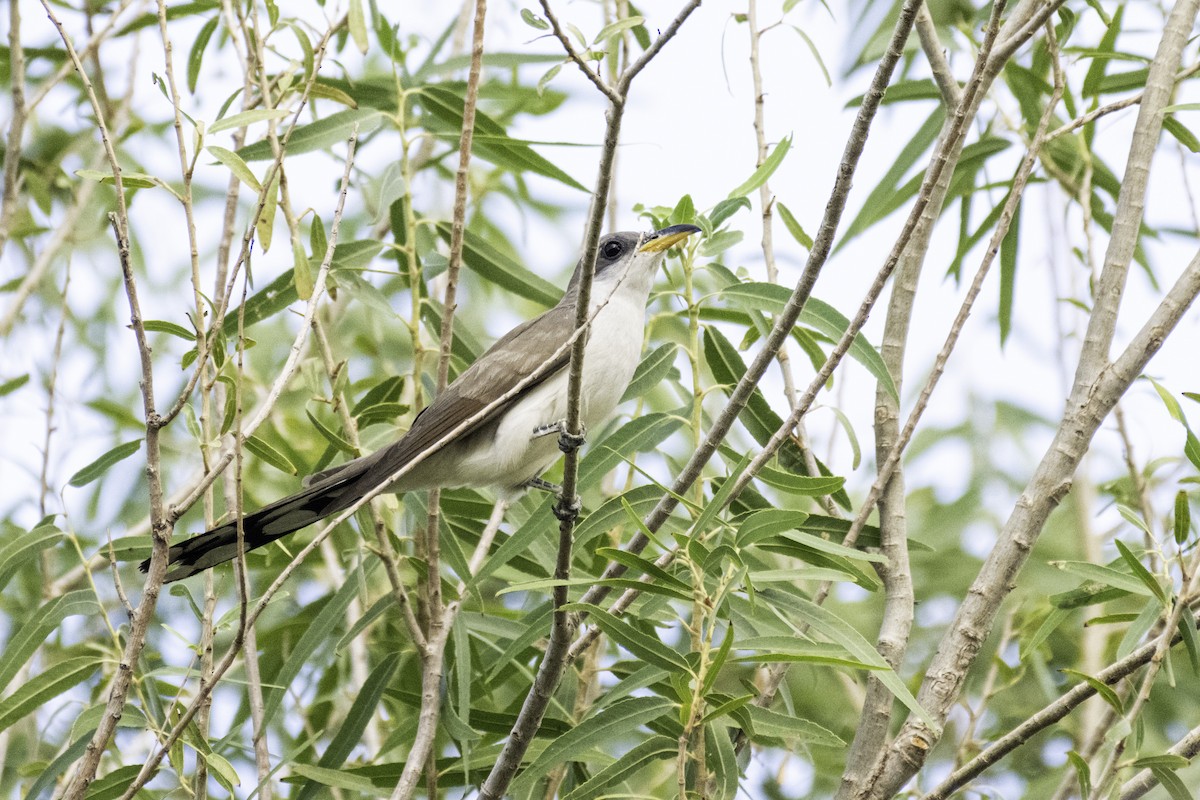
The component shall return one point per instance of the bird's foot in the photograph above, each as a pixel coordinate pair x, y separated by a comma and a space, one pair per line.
543, 485
563, 509
567, 441
567, 511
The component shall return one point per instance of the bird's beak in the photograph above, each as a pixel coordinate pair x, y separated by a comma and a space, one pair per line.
659, 241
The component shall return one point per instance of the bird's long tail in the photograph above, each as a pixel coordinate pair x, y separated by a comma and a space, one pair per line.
262, 527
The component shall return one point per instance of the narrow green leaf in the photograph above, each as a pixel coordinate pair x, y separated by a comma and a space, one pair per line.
533, 20
339, 779
114, 784
102, 464
1104, 575
794, 227
841, 632
350, 733
318, 135
1173, 126
656, 748
22, 644
1140, 572
162, 326
1191, 639
619, 718
196, 54
1082, 772
492, 265
1170, 781
722, 759
726, 209
21, 548
819, 316
269, 454
130, 180
1008, 274
318, 633
643, 566
614, 28
245, 119
1183, 517
769, 522
55, 681
301, 272
765, 170
784, 726
266, 220
646, 647
235, 165
12, 384
1103, 689
357, 22
652, 371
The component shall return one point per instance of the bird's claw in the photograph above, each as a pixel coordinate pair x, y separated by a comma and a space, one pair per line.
567, 441
567, 511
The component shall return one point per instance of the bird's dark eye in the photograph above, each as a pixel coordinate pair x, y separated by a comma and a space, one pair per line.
612, 249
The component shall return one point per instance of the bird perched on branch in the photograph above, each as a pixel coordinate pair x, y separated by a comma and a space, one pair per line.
507, 446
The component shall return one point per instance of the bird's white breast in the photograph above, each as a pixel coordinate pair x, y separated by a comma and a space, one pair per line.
513, 456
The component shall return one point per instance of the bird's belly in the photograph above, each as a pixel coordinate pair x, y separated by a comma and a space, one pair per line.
511, 455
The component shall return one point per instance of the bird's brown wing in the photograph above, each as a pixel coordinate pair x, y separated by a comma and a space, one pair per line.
513, 358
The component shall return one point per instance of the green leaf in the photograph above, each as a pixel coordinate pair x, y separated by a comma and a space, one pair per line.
318, 633
22, 548
101, 465
1104, 690
245, 119
1140, 572
765, 170
656, 748
235, 165
614, 28
269, 454
54, 682
318, 135
1173, 126
196, 54
1170, 781
723, 762
12, 384
618, 719
1008, 274
350, 733
648, 648
652, 371
819, 316
841, 632
793, 225
491, 141
495, 267
1183, 517
644, 566
726, 209
1082, 772
791, 649
130, 180
161, 326
784, 726
1105, 575
533, 20
114, 784
22, 644
357, 23
338, 779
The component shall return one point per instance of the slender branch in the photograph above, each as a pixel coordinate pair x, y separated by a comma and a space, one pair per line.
943, 76
16, 123
563, 625
613, 96
433, 653
1096, 391
1047, 717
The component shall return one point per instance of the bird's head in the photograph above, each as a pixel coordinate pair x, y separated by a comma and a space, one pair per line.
631, 258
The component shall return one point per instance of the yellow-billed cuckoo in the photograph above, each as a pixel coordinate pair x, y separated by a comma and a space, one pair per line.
506, 448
